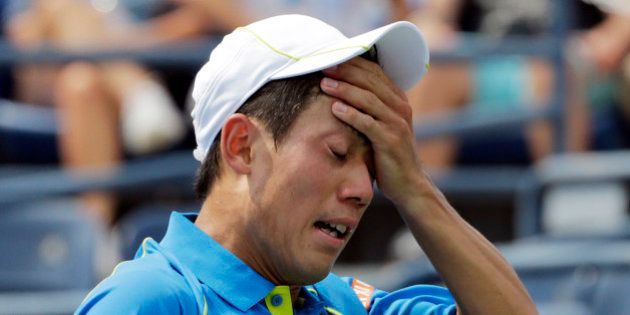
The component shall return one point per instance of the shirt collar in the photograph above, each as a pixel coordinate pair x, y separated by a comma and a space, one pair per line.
214, 265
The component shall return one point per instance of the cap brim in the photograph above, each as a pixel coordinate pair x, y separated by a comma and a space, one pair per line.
402, 53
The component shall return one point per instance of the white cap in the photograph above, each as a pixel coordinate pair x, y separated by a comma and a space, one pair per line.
287, 46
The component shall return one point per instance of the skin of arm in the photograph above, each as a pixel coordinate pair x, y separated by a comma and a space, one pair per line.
608, 43
190, 19
480, 279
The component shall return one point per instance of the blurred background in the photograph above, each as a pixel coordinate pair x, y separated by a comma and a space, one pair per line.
523, 121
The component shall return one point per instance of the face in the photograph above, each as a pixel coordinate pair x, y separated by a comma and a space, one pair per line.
308, 195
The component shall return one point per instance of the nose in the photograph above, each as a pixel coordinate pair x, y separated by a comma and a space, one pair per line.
356, 186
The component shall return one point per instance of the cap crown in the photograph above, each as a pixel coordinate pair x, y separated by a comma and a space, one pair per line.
245, 60
286, 46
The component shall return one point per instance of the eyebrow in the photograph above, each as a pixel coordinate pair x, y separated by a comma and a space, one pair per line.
362, 137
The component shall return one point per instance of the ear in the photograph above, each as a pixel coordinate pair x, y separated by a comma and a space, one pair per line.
236, 140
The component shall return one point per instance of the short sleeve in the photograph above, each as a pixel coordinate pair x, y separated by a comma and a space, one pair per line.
139, 292
416, 300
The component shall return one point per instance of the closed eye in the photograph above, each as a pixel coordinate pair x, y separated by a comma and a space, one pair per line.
339, 156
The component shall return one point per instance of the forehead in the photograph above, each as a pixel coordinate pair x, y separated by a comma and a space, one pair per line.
318, 120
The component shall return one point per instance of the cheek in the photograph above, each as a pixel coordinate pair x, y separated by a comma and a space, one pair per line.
294, 185
307, 180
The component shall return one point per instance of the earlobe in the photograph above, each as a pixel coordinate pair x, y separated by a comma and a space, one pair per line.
236, 141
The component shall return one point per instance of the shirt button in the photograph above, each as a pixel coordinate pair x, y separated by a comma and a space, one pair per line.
276, 300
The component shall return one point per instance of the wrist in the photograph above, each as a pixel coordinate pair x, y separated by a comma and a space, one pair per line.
421, 194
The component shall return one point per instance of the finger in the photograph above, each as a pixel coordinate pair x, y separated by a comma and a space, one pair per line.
362, 122
366, 79
370, 76
381, 135
363, 100
378, 70
398, 101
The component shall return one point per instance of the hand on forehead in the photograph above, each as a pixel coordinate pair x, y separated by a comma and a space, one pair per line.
373, 105
374, 86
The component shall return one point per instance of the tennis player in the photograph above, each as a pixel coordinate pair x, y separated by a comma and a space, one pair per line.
294, 123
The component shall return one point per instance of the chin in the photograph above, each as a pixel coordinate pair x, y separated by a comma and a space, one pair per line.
311, 275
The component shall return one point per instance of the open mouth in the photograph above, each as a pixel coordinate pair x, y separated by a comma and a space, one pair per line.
339, 231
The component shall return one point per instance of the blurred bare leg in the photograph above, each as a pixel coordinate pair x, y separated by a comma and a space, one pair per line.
578, 118
89, 128
29, 30
74, 24
445, 89
540, 134
150, 119
121, 77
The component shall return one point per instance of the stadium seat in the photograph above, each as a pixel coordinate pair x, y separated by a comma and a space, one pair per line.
28, 133
612, 294
147, 221
48, 257
46, 246
563, 275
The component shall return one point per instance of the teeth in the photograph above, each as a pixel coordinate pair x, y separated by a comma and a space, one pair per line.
337, 228
341, 228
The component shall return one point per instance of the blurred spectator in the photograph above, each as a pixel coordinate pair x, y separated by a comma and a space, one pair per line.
493, 84
350, 16
96, 101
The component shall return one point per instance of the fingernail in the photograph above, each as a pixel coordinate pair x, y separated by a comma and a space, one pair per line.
340, 107
330, 82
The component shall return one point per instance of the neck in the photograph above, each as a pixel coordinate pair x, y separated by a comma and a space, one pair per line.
295, 291
222, 217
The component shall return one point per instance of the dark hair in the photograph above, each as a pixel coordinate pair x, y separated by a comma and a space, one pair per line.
277, 104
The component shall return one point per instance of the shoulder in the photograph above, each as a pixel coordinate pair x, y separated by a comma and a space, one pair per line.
417, 299
337, 293
143, 286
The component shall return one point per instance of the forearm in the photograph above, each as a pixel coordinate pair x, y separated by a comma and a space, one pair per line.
478, 276
480, 279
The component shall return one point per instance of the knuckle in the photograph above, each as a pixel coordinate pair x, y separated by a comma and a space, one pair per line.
405, 110
344, 69
391, 139
402, 94
401, 127
368, 122
372, 98
341, 88
373, 81
374, 67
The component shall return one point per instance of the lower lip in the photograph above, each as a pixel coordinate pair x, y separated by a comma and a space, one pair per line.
337, 243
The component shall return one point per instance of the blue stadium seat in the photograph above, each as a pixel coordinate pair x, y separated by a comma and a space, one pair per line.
28, 133
612, 294
46, 246
563, 276
147, 221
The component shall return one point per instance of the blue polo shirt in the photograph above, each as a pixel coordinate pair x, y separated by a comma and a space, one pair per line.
188, 272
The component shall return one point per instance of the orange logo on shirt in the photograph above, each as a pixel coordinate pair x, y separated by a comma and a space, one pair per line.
363, 291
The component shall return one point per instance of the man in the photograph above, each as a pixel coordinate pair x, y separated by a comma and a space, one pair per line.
292, 130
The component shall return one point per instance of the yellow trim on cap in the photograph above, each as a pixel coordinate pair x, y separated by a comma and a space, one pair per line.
205, 306
282, 53
278, 51
365, 48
